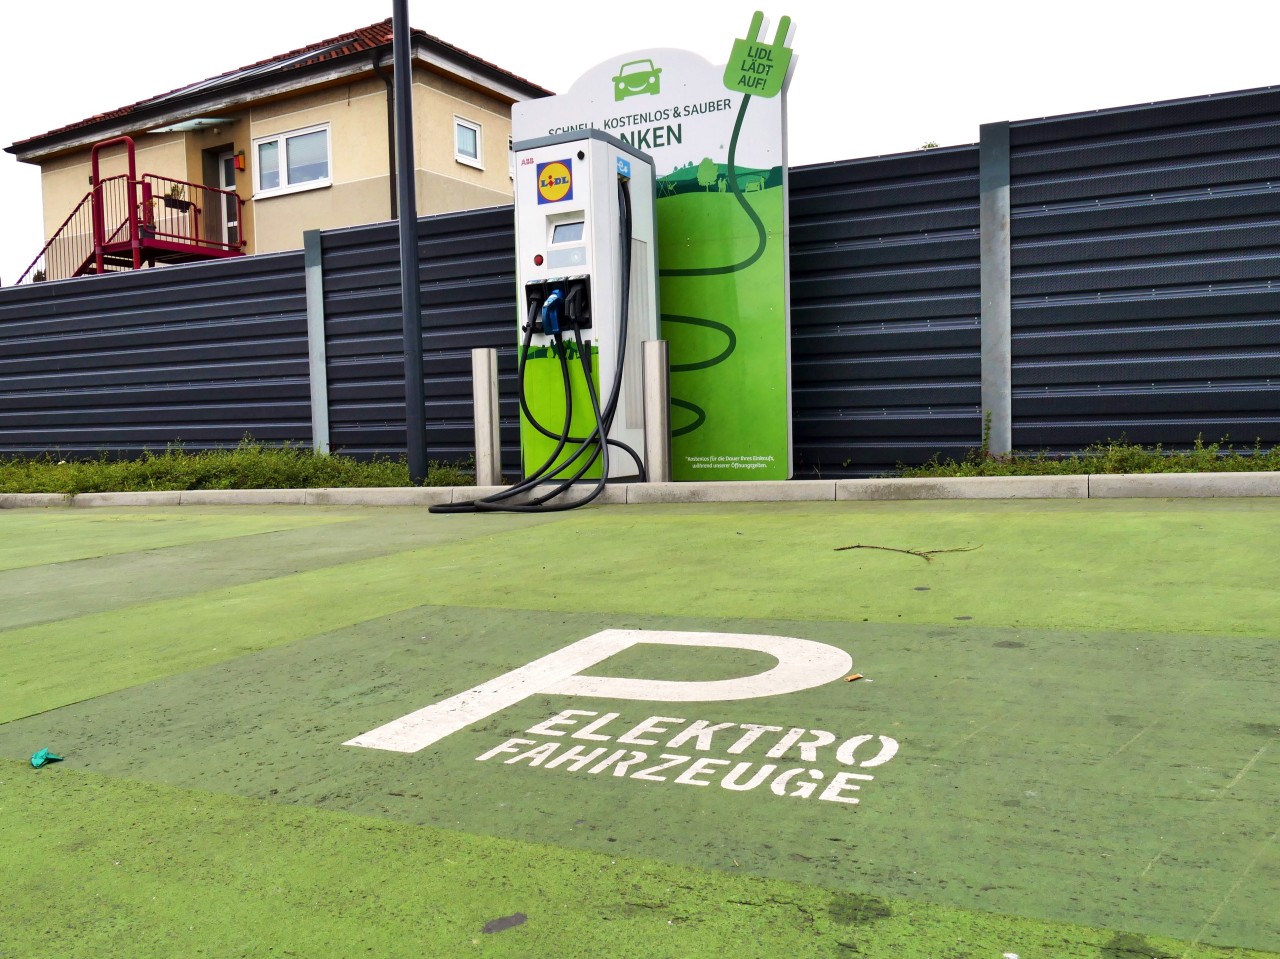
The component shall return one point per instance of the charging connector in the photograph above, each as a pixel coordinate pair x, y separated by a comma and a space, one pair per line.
578, 303
559, 303
551, 313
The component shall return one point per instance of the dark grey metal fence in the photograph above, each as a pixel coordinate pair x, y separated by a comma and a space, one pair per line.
1145, 276
468, 301
199, 355
884, 311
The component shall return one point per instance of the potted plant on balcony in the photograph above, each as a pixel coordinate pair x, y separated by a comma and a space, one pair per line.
176, 199
147, 216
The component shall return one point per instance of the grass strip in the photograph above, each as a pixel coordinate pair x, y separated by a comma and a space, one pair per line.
1111, 457
250, 465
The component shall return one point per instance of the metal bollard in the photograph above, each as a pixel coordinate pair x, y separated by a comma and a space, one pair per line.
657, 411
484, 396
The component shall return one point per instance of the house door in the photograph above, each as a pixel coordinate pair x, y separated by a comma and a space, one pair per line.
230, 209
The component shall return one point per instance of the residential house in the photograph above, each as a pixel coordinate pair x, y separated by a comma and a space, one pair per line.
300, 141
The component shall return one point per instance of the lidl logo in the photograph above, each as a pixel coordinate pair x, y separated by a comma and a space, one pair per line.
555, 181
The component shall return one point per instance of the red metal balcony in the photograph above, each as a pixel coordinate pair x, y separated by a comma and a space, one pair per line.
126, 221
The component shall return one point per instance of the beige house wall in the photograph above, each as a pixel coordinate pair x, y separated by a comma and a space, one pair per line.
452, 185
282, 220
438, 193
356, 114
357, 118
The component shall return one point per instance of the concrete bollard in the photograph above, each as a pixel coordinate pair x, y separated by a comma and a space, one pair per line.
484, 395
657, 411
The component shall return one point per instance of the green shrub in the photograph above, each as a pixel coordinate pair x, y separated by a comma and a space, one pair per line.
1115, 456
251, 465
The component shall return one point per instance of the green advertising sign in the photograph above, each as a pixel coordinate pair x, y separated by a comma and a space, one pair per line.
717, 135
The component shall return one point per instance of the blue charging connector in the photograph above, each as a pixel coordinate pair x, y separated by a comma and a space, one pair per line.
551, 313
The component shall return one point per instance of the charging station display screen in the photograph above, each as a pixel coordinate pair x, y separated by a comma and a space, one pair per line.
567, 233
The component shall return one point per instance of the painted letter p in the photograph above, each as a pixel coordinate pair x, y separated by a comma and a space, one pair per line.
802, 664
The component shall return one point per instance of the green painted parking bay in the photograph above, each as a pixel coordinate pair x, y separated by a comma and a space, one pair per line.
1063, 741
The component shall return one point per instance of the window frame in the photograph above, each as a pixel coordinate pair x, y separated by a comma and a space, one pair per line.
476, 161
281, 139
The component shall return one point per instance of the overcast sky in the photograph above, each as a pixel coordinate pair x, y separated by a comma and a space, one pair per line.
871, 78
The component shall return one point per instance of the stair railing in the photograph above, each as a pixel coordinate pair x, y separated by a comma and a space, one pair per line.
72, 247
185, 212
121, 214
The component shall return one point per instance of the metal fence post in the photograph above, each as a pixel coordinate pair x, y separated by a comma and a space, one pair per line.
994, 269
410, 277
313, 263
484, 395
657, 411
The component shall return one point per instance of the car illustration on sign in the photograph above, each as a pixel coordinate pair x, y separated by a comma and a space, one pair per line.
636, 77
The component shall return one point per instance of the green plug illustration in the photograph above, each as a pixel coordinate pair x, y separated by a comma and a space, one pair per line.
756, 67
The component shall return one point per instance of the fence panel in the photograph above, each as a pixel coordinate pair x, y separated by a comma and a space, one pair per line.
467, 273
886, 337
199, 355
1146, 274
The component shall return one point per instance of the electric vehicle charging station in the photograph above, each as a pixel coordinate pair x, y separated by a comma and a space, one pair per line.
586, 283
571, 192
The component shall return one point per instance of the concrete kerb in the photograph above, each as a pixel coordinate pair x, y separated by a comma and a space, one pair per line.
380, 496
243, 497
27, 500
1180, 485
142, 498
1096, 486
783, 491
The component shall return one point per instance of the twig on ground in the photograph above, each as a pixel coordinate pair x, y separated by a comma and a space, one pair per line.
925, 554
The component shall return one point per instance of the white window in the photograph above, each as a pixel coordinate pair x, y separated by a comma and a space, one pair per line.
293, 161
466, 143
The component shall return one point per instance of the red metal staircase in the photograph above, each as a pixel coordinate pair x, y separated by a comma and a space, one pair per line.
126, 221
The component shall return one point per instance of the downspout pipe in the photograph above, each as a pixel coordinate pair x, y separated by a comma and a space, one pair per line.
391, 130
